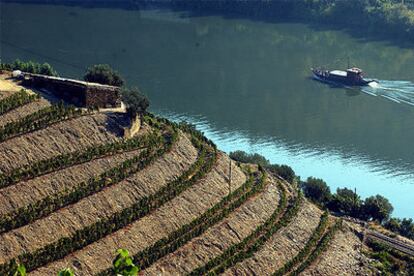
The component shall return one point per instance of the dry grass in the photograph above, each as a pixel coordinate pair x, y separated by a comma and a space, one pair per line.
144, 232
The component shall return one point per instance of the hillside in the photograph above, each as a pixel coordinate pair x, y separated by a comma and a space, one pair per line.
73, 190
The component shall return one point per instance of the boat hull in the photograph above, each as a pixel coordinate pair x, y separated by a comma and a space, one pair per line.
324, 76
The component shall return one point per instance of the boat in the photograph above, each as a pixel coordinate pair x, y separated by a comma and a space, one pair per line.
351, 77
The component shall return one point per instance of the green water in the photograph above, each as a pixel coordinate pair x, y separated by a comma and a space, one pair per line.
247, 85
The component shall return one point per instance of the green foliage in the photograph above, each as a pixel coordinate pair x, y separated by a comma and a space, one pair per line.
135, 101
16, 100
244, 157
123, 264
20, 271
283, 171
377, 208
317, 190
66, 272
346, 201
103, 74
29, 67
404, 227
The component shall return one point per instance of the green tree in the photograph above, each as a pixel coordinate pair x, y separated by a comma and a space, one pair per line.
136, 102
317, 190
123, 264
103, 74
377, 208
346, 201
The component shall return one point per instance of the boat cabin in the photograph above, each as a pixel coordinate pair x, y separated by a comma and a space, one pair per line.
352, 75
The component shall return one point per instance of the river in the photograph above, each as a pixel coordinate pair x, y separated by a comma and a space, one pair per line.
246, 84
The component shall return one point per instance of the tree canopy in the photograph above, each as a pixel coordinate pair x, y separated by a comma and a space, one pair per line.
103, 74
136, 102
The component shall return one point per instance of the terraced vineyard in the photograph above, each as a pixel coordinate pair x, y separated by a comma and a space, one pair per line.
72, 191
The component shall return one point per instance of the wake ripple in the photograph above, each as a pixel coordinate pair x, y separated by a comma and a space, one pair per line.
396, 91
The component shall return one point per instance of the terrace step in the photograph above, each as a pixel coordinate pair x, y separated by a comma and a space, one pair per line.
22, 111
144, 232
63, 137
282, 246
221, 236
64, 222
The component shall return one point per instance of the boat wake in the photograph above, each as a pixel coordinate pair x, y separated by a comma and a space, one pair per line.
396, 91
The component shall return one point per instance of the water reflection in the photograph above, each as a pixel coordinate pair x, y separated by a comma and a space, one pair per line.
249, 81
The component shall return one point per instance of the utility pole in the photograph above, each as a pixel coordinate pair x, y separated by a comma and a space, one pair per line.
229, 179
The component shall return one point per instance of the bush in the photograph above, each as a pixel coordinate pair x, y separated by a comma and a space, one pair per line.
103, 74
135, 101
317, 190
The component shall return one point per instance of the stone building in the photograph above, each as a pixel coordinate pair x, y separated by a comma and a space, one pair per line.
81, 93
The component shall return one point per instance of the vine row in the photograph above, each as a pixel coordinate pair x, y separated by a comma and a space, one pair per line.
233, 250
270, 228
218, 212
17, 99
311, 243
40, 119
70, 159
81, 238
321, 247
49, 204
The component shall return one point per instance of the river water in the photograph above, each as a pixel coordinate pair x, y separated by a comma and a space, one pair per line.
247, 85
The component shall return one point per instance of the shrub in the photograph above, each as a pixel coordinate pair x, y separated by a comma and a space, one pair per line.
317, 190
135, 101
103, 74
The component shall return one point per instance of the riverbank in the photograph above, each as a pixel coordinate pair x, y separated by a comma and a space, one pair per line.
390, 19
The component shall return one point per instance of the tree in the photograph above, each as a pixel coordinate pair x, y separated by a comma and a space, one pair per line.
123, 264
103, 74
377, 208
283, 171
346, 201
393, 224
317, 190
407, 228
135, 101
